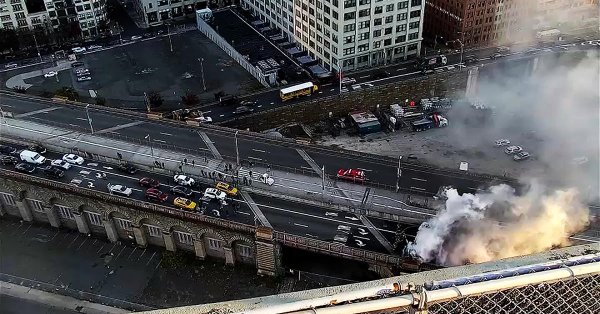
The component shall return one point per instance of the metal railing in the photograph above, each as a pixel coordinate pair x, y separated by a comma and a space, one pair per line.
223, 44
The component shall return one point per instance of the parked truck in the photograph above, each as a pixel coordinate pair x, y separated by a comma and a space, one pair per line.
426, 64
435, 120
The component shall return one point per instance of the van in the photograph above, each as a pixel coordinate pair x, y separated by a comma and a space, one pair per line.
32, 157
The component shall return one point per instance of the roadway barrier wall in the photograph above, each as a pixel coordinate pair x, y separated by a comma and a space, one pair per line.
223, 44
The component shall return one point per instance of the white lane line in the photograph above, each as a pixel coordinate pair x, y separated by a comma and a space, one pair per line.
258, 150
160, 141
250, 157
300, 225
245, 213
367, 170
419, 179
312, 236
73, 125
167, 134
82, 119
205, 112
359, 237
222, 115
400, 69
416, 188
136, 190
364, 76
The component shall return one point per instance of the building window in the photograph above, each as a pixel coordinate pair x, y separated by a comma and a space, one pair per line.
364, 12
124, 224
377, 22
413, 36
377, 44
8, 199
349, 27
94, 218
376, 33
348, 51
183, 237
214, 244
387, 31
401, 17
378, 9
399, 50
387, 42
413, 25
348, 39
389, 19
36, 205
389, 7
65, 212
415, 3
400, 39
401, 28
349, 16
363, 47
349, 4
364, 24
153, 231
415, 14
244, 250
402, 5
412, 47
363, 36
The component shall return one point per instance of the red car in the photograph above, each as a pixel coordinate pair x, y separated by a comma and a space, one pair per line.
352, 175
149, 183
156, 195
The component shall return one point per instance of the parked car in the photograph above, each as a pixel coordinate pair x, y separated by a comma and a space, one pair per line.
73, 159
149, 182
78, 50
184, 203
119, 189
32, 157
502, 142
61, 164
183, 180
513, 150
84, 78
203, 119
340, 237
136, 37
53, 172
37, 148
182, 191
351, 174
243, 110
82, 71
212, 193
127, 168
25, 167
77, 64
8, 160
227, 188
348, 81
51, 74
578, 161
7, 150
521, 156
93, 47
11, 66
156, 195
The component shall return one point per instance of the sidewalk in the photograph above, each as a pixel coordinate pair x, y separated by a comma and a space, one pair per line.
56, 300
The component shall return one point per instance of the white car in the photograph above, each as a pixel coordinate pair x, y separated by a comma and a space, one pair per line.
521, 156
513, 150
183, 180
51, 74
348, 81
119, 189
203, 119
82, 71
92, 47
58, 163
78, 50
11, 66
136, 37
502, 142
213, 193
73, 159
84, 78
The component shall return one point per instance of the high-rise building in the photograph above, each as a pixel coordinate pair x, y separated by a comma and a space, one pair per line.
352, 33
15, 14
89, 14
156, 12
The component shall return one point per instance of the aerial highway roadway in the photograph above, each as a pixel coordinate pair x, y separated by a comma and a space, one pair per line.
221, 143
286, 216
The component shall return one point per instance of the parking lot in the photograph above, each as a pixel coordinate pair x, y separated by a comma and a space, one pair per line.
122, 74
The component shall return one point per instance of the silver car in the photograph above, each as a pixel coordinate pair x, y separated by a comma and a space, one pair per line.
119, 189
513, 150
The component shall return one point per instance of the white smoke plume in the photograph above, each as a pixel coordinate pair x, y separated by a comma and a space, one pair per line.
497, 223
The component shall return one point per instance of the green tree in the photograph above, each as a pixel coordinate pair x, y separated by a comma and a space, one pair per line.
20, 89
68, 92
190, 99
155, 100
8, 40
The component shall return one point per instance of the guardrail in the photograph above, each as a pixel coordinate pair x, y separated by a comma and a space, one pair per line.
319, 246
135, 204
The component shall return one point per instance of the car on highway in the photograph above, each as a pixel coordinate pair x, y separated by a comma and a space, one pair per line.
212, 193
8, 160
203, 119
84, 78
184, 180
502, 142
344, 228
119, 189
341, 237
136, 37
149, 182
184, 203
355, 175
78, 50
502, 49
93, 47
77, 64
37, 148
249, 103
73, 159
348, 81
61, 164
243, 110
32, 157
8, 150
182, 191
127, 168
53, 172
11, 66
513, 150
156, 195
227, 188
496, 56
82, 71
521, 156
25, 167
51, 74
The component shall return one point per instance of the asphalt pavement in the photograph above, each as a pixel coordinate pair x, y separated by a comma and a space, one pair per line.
12, 305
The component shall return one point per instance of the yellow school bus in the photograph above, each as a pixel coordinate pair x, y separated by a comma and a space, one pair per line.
303, 89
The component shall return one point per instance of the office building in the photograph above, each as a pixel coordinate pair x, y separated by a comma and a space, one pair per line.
351, 34
157, 12
15, 14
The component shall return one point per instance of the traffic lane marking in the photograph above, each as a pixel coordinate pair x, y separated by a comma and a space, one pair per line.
300, 225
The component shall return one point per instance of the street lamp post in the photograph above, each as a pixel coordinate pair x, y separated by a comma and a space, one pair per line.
323, 180
398, 174
237, 152
435, 41
169, 34
87, 112
340, 74
37, 47
151, 147
202, 69
461, 51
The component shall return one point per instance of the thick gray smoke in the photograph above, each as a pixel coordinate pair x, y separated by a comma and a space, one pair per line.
495, 224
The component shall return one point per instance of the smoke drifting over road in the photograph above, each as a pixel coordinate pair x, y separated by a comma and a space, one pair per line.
495, 224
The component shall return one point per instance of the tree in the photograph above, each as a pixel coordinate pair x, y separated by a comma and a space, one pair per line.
20, 89
68, 92
190, 99
155, 100
8, 40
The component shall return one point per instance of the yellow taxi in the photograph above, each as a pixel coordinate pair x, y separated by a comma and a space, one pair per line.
184, 203
228, 189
